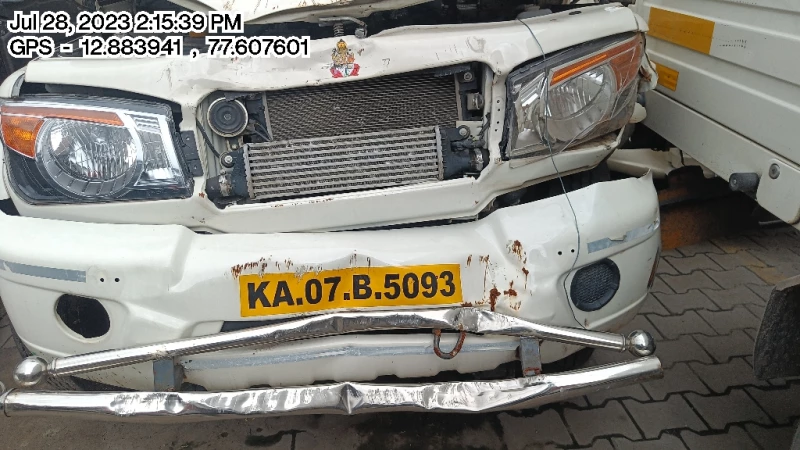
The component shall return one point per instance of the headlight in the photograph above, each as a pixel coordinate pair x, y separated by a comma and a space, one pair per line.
93, 151
573, 96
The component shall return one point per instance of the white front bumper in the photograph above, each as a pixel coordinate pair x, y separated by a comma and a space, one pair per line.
174, 283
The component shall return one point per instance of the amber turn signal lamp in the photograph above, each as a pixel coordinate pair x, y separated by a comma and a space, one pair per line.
624, 59
20, 124
19, 133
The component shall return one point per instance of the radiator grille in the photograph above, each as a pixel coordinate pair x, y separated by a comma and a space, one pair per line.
378, 104
301, 167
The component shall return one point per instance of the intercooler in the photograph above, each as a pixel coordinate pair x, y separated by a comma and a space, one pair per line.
354, 135
343, 163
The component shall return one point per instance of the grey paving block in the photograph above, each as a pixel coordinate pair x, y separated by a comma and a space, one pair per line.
739, 276
735, 439
752, 332
731, 261
678, 378
665, 442
774, 275
778, 241
776, 256
735, 244
654, 417
640, 322
723, 348
689, 264
665, 267
678, 303
525, 432
610, 419
671, 327
762, 291
728, 298
777, 437
737, 318
633, 391
757, 310
5, 336
671, 252
781, 404
652, 305
600, 444
720, 377
683, 283
721, 410
660, 286
682, 349
703, 247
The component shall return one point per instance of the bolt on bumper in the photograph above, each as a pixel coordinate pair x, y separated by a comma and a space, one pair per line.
341, 398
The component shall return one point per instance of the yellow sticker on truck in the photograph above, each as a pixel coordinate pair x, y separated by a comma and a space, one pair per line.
667, 77
681, 29
354, 287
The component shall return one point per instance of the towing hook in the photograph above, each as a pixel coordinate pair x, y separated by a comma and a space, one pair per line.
437, 335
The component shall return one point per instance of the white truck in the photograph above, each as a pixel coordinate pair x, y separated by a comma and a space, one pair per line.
421, 191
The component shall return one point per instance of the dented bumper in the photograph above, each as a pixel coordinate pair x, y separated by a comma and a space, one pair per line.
162, 283
344, 398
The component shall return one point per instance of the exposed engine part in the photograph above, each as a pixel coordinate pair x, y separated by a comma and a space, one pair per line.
475, 101
461, 153
397, 130
338, 25
227, 118
227, 160
230, 186
743, 182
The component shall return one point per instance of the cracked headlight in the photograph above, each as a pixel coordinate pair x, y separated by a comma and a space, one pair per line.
90, 152
573, 96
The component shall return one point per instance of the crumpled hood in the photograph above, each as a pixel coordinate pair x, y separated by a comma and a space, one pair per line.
273, 11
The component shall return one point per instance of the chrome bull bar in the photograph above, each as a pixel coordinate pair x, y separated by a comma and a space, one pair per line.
342, 398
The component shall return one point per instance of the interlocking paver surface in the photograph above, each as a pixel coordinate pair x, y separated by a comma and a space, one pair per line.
705, 308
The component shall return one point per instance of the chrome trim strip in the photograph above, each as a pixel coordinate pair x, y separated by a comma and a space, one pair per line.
340, 398
44, 272
33, 370
646, 230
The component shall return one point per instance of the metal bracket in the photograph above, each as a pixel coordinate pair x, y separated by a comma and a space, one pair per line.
338, 25
190, 153
167, 375
437, 335
530, 357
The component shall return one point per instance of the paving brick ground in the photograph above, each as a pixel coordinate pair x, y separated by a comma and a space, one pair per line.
704, 309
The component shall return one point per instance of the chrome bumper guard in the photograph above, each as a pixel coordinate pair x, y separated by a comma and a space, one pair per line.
532, 390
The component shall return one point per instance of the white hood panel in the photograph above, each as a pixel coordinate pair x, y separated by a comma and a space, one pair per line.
273, 11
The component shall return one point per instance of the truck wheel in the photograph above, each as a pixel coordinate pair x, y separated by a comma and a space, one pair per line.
66, 383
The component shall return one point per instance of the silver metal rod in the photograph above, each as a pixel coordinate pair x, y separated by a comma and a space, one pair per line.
339, 398
33, 370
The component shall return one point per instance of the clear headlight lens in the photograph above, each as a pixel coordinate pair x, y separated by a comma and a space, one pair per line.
572, 97
66, 153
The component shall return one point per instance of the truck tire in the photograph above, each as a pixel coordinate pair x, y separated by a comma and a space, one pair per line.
65, 383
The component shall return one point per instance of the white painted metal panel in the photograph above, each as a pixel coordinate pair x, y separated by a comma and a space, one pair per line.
749, 80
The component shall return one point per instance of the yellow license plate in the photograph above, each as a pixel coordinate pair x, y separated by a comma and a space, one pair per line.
355, 287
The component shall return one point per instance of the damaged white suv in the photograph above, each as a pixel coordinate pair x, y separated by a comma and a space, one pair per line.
423, 194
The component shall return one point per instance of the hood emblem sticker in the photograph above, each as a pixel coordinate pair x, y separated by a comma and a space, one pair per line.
344, 61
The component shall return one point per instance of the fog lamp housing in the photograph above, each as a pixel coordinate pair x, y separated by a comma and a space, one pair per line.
595, 285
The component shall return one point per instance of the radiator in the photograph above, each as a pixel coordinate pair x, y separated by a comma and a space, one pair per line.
349, 162
363, 106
